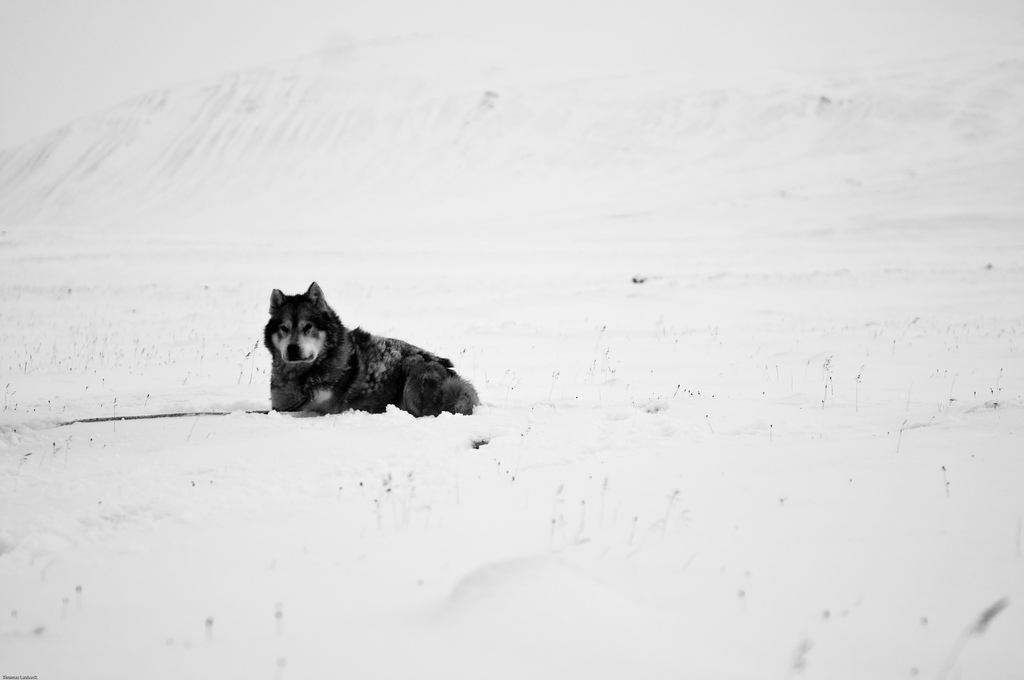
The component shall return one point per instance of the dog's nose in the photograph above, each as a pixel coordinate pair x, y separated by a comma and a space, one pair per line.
293, 353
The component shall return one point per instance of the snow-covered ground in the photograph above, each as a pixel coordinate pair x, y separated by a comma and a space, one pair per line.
746, 342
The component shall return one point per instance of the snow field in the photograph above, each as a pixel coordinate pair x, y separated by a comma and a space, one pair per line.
738, 467
748, 350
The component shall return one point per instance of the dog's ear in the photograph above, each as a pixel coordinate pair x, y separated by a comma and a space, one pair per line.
276, 300
316, 296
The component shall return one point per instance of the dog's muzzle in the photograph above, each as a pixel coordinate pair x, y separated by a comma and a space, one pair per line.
294, 353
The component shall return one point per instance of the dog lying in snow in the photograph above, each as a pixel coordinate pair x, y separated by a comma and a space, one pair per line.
320, 366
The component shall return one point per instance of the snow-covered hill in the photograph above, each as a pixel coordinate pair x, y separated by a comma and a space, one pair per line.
371, 132
747, 342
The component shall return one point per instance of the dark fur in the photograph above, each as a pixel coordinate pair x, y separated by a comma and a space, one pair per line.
352, 369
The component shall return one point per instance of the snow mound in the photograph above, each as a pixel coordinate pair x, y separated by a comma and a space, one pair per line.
527, 603
525, 587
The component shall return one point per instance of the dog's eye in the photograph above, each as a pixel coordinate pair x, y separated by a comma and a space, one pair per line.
307, 329
285, 330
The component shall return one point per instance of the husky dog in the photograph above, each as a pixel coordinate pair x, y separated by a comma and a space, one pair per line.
320, 366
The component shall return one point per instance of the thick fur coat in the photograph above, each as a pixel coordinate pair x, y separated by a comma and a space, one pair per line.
320, 366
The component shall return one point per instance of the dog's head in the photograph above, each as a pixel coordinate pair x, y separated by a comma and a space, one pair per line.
297, 330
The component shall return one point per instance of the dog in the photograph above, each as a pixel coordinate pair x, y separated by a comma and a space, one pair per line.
319, 366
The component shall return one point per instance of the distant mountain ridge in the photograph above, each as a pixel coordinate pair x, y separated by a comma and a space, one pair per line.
421, 121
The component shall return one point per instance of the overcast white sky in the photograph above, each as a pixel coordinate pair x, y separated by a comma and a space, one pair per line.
61, 59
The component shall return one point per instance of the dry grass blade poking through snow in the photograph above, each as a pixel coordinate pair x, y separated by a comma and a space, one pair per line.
978, 629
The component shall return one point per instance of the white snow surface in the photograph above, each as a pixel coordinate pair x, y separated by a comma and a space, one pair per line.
746, 341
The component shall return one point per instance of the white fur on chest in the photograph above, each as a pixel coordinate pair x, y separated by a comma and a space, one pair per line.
321, 395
